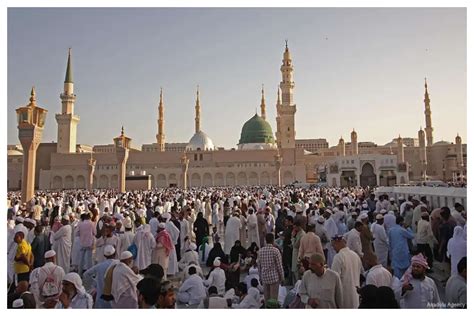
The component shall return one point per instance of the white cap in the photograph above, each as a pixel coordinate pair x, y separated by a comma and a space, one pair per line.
379, 216
392, 199
162, 225
217, 262
18, 303
126, 255
384, 211
328, 211
65, 217
193, 246
364, 216
321, 219
49, 254
109, 250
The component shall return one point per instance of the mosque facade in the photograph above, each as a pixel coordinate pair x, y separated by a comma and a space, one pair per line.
261, 158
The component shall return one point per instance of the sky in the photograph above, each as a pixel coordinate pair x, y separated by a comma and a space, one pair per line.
360, 68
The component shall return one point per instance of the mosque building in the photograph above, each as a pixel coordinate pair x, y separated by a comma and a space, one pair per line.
261, 158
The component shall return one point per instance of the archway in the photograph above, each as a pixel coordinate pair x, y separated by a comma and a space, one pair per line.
195, 180
172, 180
241, 178
161, 181
219, 180
253, 178
80, 182
264, 178
57, 182
402, 180
69, 182
114, 181
94, 182
207, 180
230, 179
348, 178
103, 182
288, 178
368, 177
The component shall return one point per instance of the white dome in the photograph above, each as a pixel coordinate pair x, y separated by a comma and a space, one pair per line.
14, 152
200, 141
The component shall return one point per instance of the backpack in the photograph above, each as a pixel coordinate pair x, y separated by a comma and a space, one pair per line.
50, 287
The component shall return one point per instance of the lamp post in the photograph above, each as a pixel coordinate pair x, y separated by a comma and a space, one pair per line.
278, 161
91, 168
122, 148
184, 168
31, 119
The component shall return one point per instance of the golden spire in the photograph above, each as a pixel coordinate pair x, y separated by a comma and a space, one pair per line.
33, 96
122, 133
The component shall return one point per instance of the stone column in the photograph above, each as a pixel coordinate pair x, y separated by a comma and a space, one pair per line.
91, 168
278, 161
184, 168
122, 157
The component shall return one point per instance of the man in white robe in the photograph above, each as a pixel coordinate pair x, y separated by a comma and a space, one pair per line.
173, 260
192, 291
145, 244
232, 232
353, 239
252, 227
62, 244
108, 238
124, 283
126, 239
217, 277
377, 275
349, 266
183, 232
332, 230
381, 244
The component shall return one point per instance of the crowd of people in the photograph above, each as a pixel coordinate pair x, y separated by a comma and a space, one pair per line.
233, 247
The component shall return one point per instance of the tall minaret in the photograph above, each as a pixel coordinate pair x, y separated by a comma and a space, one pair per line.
354, 144
198, 112
286, 111
67, 121
262, 105
160, 137
459, 156
342, 147
400, 151
277, 133
429, 128
422, 152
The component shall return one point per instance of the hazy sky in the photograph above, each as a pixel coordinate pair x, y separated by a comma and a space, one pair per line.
368, 74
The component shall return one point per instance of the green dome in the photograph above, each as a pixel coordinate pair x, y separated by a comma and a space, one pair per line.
256, 130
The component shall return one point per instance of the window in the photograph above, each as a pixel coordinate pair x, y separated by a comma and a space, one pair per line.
195, 157
200, 157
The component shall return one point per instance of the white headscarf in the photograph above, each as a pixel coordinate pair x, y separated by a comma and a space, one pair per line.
457, 248
75, 279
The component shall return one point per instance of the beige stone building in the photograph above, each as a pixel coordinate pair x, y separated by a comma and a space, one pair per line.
256, 161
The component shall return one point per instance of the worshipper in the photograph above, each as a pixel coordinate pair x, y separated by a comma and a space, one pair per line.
166, 298
457, 214
270, 268
215, 213
217, 276
389, 219
349, 266
309, 245
184, 232
148, 290
456, 287
399, 237
418, 290
154, 224
76, 242
107, 238
86, 233
126, 239
198, 271
425, 237
322, 233
204, 249
446, 232
200, 228
352, 220
96, 274
62, 244
381, 243
287, 250
279, 222
216, 252
243, 227
457, 248
73, 294
261, 227
23, 260
377, 275
296, 237
320, 287
232, 232
331, 229
192, 291
39, 246
366, 238
214, 301
28, 300
145, 244
46, 280
246, 301
153, 271
236, 254
252, 251
164, 247
30, 224
215, 235
353, 239
124, 283
408, 212
174, 228
189, 256
252, 225
385, 298
368, 296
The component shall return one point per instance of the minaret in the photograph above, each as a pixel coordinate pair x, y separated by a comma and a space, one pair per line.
277, 133
198, 112
401, 150
422, 152
354, 144
262, 105
429, 128
459, 156
67, 120
287, 109
342, 147
160, 137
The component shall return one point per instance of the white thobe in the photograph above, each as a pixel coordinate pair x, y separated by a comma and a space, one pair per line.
154, 226
62, 246
381, 244
145, 244
423, 292
253, 229
173, 260
217, 278
124, 287
183, 233
232, 233
353, 242
349, 266
192, 291
126, 239
332, 230
378, 276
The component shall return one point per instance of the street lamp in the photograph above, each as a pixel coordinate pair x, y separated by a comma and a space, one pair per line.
122, 148
31, 119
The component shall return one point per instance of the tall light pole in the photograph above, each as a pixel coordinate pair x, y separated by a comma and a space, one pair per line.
122, 148
184, 168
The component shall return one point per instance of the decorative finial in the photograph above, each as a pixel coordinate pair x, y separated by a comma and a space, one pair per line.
122, 131
426, 85
286, 43
399, 136
33, 96
68, 78
197, 93
161, 95
263, 88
